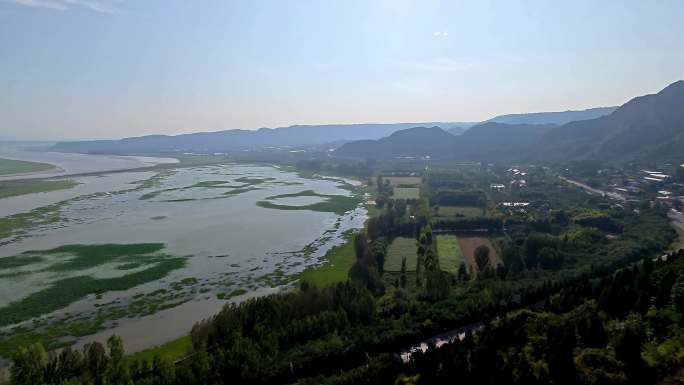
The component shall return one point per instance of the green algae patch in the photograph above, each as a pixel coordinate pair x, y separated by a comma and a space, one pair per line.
338, 204
66, 291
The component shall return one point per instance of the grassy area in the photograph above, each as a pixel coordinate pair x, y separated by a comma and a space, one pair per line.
338, 204
406, 193
459, 211
11, 167
404, 180
21, 187
171, 350
399, 248
449, 251
338, 261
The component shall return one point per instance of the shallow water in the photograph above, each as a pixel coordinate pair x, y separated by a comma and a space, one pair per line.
206, 213
87, 185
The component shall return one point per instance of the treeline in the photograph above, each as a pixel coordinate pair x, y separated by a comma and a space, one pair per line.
274, 339
398, 219
589, 334
458, 198
358, 169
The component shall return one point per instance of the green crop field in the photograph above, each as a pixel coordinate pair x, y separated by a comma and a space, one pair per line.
406, 193
401, 247
450, 255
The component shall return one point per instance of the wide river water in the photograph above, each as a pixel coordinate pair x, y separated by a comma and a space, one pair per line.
208, 214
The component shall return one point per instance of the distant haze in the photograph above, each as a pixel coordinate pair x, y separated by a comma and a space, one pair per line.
78, 69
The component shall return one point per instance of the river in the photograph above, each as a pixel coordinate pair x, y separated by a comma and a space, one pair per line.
233, 249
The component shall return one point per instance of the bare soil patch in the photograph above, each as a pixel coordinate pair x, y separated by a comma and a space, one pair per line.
468, 246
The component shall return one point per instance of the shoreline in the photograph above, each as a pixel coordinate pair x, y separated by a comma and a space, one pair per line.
74, 164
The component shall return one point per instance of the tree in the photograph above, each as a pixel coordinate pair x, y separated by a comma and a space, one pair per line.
95, 360
29, 365
403, 272
379, 252
373, 228
117, 371
482, 257
419, 270
678, 294
69, 364
360, 245
462, 274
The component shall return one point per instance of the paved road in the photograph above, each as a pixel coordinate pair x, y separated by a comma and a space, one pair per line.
593, 190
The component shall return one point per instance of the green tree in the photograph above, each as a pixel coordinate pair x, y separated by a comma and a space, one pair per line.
360, 245
678, 294
95, 360
117, 370
482, 257
29, 365
462, 274
403, 273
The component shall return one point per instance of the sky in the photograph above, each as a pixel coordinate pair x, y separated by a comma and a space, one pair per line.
80, 69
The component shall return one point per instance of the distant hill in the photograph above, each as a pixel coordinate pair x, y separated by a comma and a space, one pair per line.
483, 141
411, 142
499, 141
649, 127
300, 135
559, 118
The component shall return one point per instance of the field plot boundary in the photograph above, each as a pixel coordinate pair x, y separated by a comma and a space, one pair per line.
401, 247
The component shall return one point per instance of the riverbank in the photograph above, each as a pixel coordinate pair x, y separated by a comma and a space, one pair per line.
71, 164
13, 167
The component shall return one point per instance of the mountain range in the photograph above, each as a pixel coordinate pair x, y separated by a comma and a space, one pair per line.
332, 135
292, 136
649, 127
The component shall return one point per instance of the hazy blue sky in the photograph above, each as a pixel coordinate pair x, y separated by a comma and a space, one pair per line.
113, 68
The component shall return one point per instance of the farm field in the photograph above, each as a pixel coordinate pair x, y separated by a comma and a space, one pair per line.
449, 251
459, 211
468, 246
401, 247
11, 167
404, 180
406, 193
